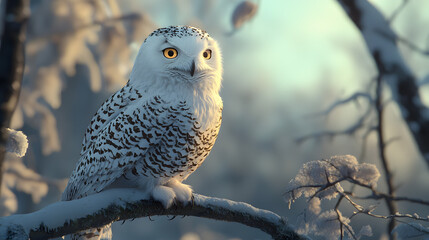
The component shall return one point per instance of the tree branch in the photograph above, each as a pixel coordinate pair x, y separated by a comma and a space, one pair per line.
97, 23
391, 205
381, 42
62, 218
11, 64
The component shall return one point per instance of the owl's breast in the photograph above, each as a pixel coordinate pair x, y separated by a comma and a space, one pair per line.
185, 144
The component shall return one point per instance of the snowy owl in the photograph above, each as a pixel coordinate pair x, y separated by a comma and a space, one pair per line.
158, 129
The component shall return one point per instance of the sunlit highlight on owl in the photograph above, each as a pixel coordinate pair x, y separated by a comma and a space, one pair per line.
158, 129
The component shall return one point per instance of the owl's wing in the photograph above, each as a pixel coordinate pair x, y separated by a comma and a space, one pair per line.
117, 147
110, 109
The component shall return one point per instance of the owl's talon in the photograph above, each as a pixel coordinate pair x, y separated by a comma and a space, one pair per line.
192, 201
150, 219
173, 217
175, 204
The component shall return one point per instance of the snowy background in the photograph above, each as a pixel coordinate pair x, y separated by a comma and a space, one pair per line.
290, 60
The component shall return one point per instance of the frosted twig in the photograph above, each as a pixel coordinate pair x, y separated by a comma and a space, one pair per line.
362, 210
344, 224
97, 210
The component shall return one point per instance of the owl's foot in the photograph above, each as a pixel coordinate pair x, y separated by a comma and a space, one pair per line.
172, 192
183, 192
164, 194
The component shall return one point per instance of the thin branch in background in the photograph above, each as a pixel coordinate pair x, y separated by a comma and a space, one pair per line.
351, 130
406, 42
398, 10
379, 195
353, 98
413, 46
365, 136
11, 64
391, 205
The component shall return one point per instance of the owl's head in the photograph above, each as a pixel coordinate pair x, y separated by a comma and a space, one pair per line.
179, 56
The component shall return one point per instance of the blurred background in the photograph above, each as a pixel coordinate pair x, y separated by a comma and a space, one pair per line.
284, 62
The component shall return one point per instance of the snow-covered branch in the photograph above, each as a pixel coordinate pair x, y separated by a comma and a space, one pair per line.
382, 43
112, 205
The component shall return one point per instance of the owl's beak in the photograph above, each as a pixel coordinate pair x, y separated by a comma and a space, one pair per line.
192, 68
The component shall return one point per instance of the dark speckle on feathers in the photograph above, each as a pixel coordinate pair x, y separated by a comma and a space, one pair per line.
179, 32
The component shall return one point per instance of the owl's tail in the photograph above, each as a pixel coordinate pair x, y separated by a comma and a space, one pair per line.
104, 233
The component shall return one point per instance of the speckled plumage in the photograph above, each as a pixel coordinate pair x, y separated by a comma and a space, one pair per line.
158, 129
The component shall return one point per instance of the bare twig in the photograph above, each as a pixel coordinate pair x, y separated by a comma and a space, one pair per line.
365, 136
382, 150
405, 41
413, 46
398, 10
341, 102
351, 130
379, 195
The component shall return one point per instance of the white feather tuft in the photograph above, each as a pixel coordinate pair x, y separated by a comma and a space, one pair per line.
164, 194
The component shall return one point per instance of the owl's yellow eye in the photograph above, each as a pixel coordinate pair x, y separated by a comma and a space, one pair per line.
207, 54
170, 53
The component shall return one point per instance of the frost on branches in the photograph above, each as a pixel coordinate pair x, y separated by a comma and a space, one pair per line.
326, 179
17, 142
322, 179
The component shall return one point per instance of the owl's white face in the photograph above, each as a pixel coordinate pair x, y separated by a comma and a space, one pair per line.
179, 56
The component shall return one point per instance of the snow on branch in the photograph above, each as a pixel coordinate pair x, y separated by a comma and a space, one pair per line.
66, 217
382, 43
17, 142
